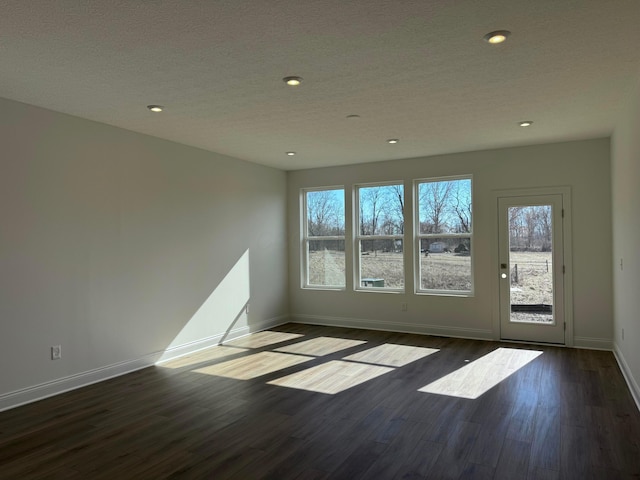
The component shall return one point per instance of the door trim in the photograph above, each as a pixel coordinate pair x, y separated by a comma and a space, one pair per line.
565, 191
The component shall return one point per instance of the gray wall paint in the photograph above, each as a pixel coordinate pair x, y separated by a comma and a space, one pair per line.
584, 166
111, 241
626, 238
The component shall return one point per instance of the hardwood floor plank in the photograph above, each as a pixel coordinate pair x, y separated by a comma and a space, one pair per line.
356, 465
272, 463
453, 458
406, 453
574, 458
494, 416
445, 413
474, 471
312, 475
546, 446
537, 473
514, 460
522, 425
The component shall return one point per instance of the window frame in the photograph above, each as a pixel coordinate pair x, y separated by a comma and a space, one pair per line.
305, 238
357, 238
418, 237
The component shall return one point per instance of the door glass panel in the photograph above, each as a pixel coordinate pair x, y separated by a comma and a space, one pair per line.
531, 264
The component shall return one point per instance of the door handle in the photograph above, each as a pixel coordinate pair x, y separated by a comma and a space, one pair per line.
503, 266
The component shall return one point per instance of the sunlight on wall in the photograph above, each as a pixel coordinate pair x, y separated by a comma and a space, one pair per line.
222, 311
481, 375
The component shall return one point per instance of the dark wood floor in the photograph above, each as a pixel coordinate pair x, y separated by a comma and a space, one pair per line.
566, 415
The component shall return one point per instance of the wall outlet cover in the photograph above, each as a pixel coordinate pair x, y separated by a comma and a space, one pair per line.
56, 352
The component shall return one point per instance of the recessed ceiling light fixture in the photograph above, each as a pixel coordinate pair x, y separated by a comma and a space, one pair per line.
292, 81
155, 108
525, 123
496, 37
353, 117
393, 140
291, 154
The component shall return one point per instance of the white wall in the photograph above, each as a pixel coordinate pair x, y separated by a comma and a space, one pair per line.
625, 168
584, 166
117, 245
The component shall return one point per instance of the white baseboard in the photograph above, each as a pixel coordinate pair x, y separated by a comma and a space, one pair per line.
72, 382
592, 343
423, 329
628, 376
203, 343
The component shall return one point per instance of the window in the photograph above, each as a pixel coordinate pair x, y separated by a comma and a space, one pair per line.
380, 236
323, 238
444, 236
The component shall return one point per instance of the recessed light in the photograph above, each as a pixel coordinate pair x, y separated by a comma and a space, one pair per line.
292, 81
526, 123
496, 37
353, 117
155, 108
393, 140
291, 154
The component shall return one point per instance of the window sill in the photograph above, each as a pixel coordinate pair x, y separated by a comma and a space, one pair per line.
323, 289
437, 293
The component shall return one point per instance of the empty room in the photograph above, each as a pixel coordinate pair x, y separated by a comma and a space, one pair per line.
319, 239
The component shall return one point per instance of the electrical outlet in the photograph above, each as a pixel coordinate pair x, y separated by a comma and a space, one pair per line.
403, 306
56, 352
246, 309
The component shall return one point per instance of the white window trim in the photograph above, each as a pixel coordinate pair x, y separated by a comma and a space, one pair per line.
417, 238
305, 239
357, 283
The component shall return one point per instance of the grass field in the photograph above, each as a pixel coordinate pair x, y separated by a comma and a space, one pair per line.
326, 267
534, 282
531, 283
441, 271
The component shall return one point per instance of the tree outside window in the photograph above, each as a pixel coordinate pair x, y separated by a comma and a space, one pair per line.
323, 238
444, 235
380, 237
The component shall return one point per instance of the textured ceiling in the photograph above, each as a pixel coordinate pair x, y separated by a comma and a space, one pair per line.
414, 70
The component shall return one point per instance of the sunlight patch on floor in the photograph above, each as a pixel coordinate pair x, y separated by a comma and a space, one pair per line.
331, 377
203, 356
263, 339
320, 346
482, 374
391, 355
253, 366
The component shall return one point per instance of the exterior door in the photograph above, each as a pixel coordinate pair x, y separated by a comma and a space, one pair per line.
531, 270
